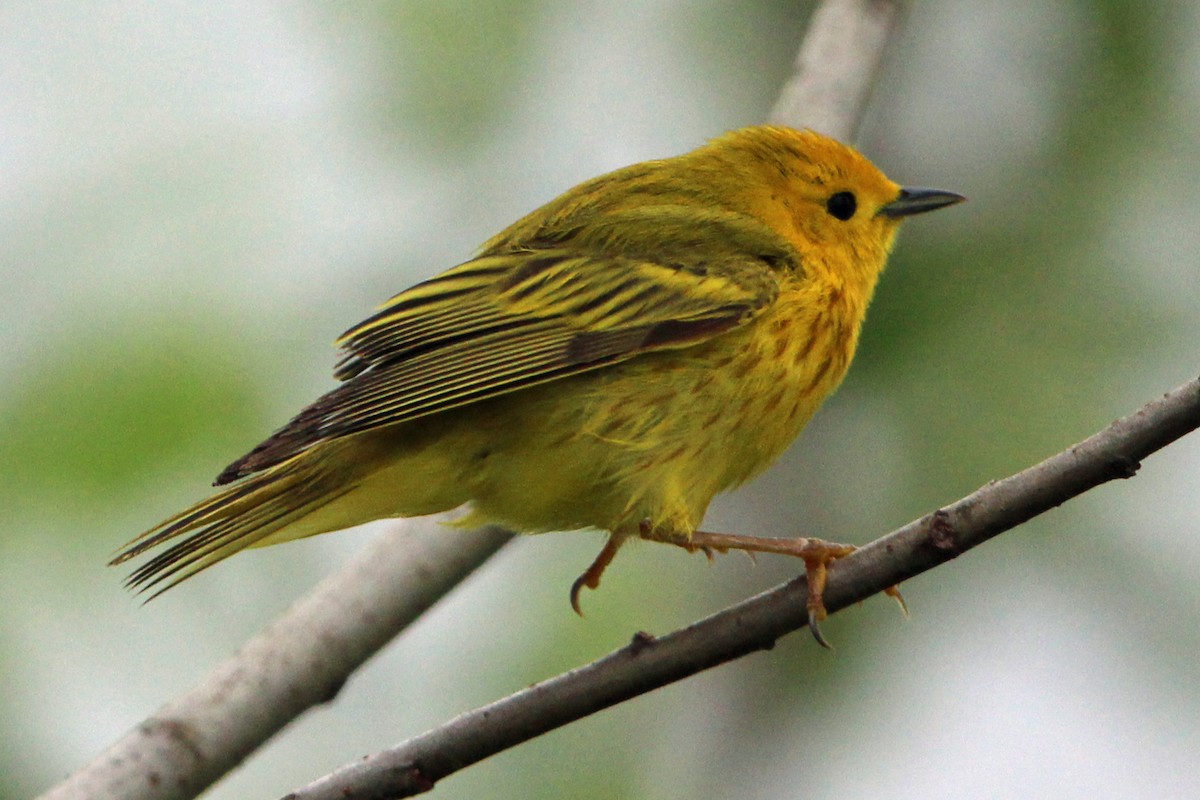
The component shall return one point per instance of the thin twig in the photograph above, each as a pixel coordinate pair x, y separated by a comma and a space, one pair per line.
197, 738
648, 663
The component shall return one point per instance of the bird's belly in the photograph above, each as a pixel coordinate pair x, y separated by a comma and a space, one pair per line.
655, 438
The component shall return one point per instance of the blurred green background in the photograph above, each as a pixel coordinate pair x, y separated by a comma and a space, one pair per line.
197, 198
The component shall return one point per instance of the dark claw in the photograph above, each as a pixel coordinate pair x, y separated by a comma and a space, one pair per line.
815, 627
579, 583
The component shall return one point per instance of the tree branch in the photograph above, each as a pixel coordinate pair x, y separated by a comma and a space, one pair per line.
302, 658
647, 663
836, 66
299, 661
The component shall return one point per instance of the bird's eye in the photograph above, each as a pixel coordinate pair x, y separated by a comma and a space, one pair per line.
842, 205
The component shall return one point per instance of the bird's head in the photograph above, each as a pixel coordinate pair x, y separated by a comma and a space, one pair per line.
836, 207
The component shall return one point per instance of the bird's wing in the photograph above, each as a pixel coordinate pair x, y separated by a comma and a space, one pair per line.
505, 322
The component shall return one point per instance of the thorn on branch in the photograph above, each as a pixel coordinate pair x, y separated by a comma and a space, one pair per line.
331, 691
640, 641
1124, 467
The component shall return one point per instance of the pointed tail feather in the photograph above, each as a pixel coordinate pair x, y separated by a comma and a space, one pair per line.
238, 517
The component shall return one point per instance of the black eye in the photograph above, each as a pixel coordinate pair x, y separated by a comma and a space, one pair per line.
842, 205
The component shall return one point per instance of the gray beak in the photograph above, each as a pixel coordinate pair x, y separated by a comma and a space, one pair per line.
917, 201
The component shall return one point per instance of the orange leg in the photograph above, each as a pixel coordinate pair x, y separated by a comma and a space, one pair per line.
817, 554
591, 578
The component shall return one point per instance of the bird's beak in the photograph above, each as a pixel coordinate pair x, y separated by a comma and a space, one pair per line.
917, 201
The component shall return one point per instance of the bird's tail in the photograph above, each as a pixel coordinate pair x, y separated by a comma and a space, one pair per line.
310, 493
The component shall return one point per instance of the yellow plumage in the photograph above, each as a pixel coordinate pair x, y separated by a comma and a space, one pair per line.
613, 360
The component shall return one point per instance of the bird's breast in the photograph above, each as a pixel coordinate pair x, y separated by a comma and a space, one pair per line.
775, 375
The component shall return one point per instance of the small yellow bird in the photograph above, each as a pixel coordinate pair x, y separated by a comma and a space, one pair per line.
613, 360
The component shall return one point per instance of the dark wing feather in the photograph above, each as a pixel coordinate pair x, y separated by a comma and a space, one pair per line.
501, 323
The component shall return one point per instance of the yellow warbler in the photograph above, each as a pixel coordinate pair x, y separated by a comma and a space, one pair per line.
612, 360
